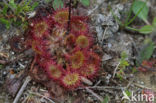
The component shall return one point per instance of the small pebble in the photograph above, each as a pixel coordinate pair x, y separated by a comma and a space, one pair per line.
109, 45
4, 73
131, 75
12, 76
12, 53
142, 83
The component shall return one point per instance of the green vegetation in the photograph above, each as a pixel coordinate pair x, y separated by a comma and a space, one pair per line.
1, 66
123, 63
140, 9
85, 2
146, 52
15, 13
59, 3
106, 99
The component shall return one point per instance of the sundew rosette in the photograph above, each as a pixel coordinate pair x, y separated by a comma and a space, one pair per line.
66, 55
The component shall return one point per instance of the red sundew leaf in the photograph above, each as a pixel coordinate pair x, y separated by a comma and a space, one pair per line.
61, 16
94, 58
78, 25
82, 41
70, 40
147, 66
54, 71
89, 70
38, 46
71, 80
77, 59
40, 27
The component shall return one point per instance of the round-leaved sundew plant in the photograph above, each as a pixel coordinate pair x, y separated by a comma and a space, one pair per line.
66, 55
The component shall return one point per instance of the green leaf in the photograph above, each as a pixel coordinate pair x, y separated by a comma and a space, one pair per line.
85, 2
106, 100
119, 76
128, 93
47, 1
17, 23
124, 55
140, 5
154, 22
6, 22
134, 70
1, 66
25, 7
19, 9
5, 10
34, 6
146, 29
57, 4
146, 51
124, 63
12, 4
26, 3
